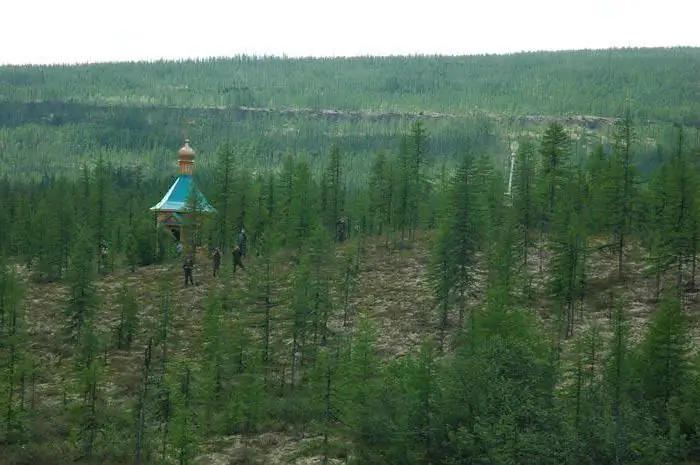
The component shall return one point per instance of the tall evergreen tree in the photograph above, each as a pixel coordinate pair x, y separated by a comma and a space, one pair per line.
82, 300
223, 201
555, 155
524, 194
569, 237
334, 189
459, 239
621, 203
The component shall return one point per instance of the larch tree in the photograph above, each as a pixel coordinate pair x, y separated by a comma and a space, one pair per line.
381, 190
569, 242
225, 185
524, 195
332, 195
83, 300
555, 155
622, 185
14, 356
454, 269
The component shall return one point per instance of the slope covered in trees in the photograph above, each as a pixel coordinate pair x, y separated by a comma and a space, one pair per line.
662, 81
55, 118
455, 325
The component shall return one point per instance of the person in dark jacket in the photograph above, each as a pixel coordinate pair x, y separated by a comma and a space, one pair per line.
340, 230
237, 255
242, 239
216, 256
187, 266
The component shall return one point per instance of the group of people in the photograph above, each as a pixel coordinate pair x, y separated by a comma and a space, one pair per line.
238, 253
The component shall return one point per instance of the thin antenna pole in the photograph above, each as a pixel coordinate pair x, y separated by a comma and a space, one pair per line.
513, 149
510, 174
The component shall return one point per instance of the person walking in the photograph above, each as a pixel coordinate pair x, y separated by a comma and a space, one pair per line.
187, 267
217, 260
237, 255
242, 239
340, 230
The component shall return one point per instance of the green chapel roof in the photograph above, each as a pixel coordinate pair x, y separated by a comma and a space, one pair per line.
175, 200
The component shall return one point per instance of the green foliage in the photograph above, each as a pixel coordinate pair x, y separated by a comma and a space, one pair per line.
128, 319
663, 358
399, 83
184, 422
280, 347
460, 237
15, 361
555, 164
83, 299
224, 200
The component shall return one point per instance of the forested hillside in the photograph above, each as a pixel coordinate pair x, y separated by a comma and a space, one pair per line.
448, 322
663, 82
55, 118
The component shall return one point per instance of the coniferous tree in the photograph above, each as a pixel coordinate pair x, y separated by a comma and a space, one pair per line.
196, 220
503, 255
618, 378
48, 243
14, 358
133, 247
83, 299
422, 410
672, 232
682, 211
403, 180
555, 164
213, 361
302, 211
141, 441
350, 278
333, 193
318, 258
459, 240
380, 186
362, 411
587, 393
443, 276
410, 180
597, 168
89, 372
284, 195
263, 295
301, 307
663, 358
184, 422
417, 143
658, 232
524, 195
621, 203
569, 238
100, 213
225, 179
24, 237
128, 319
323, 384
61, 205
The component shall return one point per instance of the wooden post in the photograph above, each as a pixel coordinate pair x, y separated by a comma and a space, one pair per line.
155, 251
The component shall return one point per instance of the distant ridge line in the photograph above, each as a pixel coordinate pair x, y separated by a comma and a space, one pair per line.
590, 121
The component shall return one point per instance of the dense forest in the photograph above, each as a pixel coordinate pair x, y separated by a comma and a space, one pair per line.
462, 312
572, 82
552, 324
53, 119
